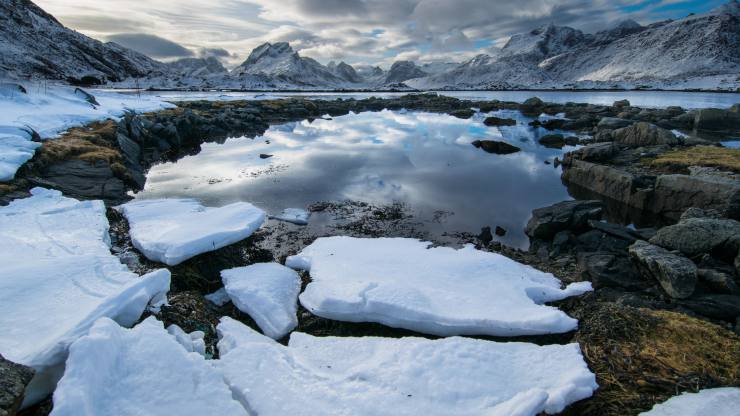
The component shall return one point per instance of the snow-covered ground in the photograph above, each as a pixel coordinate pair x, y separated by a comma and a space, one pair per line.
268, 292
403, 283
710, 402
139, 371
171, 231
51, 110
406, 376
57, 276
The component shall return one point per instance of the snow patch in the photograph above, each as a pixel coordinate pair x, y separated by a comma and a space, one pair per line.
219, 297
715, 402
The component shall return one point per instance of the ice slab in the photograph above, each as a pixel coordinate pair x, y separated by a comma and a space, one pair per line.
57, 277
404, 283
171, 231
405, 376
219, 297
268, 292
724, 401
137, 372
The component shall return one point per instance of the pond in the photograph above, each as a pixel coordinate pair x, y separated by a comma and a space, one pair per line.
424, 162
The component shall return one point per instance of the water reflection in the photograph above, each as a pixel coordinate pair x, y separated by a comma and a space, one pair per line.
423, 160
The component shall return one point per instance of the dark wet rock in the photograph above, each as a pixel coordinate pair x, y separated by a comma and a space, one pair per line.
725, 307
13, 381
552, 140
485, 235
496, 121
554, 124
493, 146
597, 240
86, 96
602, 136
596, 152
265, 156
694, 212
715, 119
463, 114
613, 123
718, 281
567, 215
676, 274
644, 134
190, 311
674, 194
695, 236
85, 180
500, 231
605, 269
621, 103
615, 230
532, 106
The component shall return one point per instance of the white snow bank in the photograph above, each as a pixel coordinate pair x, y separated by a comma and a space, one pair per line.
723, 401
403, 283
293, 215
406, 376
50, 111
192, 342
57, 276
171, 231
268, 292
139, 372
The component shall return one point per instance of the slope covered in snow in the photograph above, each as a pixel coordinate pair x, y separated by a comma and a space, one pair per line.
406, 376
405, 284
57, 276
139, 371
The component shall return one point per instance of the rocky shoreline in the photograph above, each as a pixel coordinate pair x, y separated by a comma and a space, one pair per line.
664, 314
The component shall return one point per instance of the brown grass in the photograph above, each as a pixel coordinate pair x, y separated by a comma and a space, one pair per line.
642, 357
91, 143
719, 157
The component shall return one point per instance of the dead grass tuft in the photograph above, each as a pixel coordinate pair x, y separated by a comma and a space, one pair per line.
712, 156
91, 143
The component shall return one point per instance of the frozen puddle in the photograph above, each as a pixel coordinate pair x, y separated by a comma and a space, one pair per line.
406, 376
293, 215
57, 276
268, 292
171, 231
139, 371
405, 284
711, 402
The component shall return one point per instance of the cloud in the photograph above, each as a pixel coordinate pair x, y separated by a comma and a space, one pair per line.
213, 53
151, 45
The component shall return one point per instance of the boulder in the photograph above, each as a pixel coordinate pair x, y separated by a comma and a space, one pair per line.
567, 215
725, 307
552, 140
596, 152
86, 96
693, 236
613, 123
676, 274
621, 104
644, 134
532, 106
716, 119
495, 121
463, 114
13, 381
718, 281
605, 269
493, 146
673, 194
84, 180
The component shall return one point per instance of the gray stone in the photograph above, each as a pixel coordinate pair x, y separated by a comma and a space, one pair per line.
613, 123
694, 212
13, 381
496, 147
716, 119
644, 134
621, 104
605, 269
718, 281
552, 140
694, 236
674, 194
615, 230
463, 114
677, 275
725, 307
81, 179
567, 215
495, 121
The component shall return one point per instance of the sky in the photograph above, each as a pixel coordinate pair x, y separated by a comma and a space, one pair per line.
373, 32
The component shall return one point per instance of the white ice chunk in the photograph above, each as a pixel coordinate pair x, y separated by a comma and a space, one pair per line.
406, 376
268, 292
405, 284
57, 277
139, 371
724, 401
219, 297
171, 231
293, 215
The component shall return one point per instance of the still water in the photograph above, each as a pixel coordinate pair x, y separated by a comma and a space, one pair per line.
424, 161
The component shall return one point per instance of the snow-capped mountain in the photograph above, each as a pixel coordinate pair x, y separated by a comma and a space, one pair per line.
403, 70
699, 51
197, 67
34, 44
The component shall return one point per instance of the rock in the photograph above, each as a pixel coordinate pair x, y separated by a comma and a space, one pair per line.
463, 114
718, 281
644, 134
602, 136
597, 152
613, 123
493, 146
485, 235
734, 109
265, 156
567, 215
676, 274
495, 121
86, 96
552, 140
614, 230
715, 119
674, 194
83, 179
602, 180
500, 231
532, 106
725, 307
694, 236
605, 269
13, 381
694, 212
554, 124
621, 104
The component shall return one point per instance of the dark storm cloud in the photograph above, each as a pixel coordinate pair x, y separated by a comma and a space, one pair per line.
151, 45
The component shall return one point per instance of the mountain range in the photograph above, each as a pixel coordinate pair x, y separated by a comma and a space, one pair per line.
697, 52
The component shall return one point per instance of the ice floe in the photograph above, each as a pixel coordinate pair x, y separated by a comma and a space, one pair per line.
406, 376
57, 277
268, 292
50, 111
139, 371
219, 297
404, 283
724, 401
171, 231
293, 215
